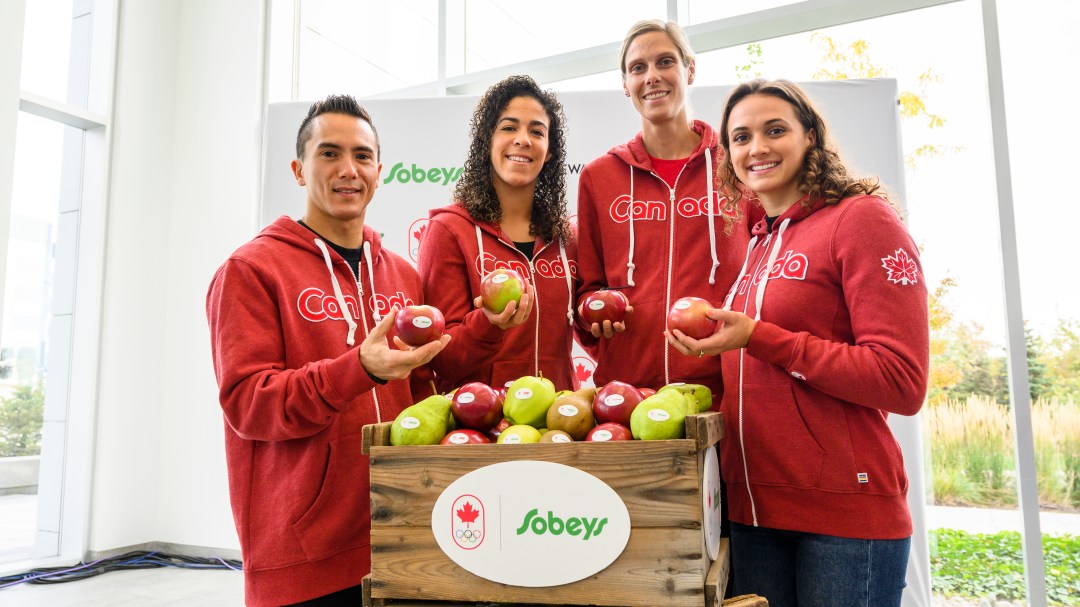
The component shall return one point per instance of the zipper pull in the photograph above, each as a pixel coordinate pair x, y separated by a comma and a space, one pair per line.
672, 198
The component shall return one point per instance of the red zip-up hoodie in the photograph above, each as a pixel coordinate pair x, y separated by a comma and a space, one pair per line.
842, 340
295, 397
456, 253
672, 245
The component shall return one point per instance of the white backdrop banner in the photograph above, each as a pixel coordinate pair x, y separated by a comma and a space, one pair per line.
424, 143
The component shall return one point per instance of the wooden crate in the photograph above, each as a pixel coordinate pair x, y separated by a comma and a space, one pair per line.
665, 562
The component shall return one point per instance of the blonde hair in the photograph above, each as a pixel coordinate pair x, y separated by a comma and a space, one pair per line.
673, 31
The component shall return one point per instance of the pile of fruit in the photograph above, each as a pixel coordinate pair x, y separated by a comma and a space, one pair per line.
529, 410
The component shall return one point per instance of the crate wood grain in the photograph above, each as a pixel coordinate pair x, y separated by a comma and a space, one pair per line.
665, 561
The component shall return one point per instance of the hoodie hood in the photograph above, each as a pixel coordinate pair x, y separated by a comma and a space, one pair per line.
634, 153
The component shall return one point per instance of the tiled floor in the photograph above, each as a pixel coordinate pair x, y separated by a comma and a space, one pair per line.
165, 587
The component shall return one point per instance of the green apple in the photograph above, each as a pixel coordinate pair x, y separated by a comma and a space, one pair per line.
661, 416
424, 423
702, 394
527, 401
516, 435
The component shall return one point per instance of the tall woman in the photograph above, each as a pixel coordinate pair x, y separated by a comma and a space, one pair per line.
510, 213
823, 335
650, 220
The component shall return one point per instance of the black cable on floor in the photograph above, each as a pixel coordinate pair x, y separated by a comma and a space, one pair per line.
122, 562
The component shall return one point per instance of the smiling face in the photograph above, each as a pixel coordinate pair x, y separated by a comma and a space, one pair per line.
340, 171
767, 145
519, 146
656, 79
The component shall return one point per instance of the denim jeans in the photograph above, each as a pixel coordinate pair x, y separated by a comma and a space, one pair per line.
796, 569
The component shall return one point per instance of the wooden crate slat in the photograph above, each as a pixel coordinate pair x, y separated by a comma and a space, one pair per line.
660, 567
374, 435
705, 429
716, 579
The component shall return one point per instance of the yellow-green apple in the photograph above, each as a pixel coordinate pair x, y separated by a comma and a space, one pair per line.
500, 287
527, 401
661, 416
518, 434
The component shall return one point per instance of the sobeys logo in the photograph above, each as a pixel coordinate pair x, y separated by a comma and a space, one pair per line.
554, 525
437, 176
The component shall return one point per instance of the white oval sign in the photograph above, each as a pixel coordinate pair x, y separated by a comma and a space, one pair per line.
710, 503
493, 519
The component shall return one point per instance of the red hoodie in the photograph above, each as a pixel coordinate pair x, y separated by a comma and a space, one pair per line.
841, 341
449, 265
673, 245
295, 398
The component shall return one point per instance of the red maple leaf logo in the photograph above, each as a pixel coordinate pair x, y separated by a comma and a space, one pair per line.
419, 234
468, 514
901, 268
582, 373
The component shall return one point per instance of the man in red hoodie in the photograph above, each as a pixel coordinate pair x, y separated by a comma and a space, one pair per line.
299, 319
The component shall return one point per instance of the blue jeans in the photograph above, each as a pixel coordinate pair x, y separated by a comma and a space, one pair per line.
796, 569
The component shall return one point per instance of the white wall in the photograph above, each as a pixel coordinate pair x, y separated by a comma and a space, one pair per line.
183, 195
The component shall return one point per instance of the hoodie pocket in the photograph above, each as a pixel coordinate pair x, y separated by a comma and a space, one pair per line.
779, 449
338, 519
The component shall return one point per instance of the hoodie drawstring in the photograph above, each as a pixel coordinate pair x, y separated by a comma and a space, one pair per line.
569, 284
351, 339
712, 216
480, 247
371, 273
630, 259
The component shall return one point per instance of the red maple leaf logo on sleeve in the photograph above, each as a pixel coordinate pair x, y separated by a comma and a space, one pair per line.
901, 268
419, 234
467, 514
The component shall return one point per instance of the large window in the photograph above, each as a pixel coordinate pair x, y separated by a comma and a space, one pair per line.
55, 181
1002, 363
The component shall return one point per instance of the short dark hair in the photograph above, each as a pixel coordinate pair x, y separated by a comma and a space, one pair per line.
334, 104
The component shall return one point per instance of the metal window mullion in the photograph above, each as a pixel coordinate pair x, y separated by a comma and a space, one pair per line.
1019, 389
441, 67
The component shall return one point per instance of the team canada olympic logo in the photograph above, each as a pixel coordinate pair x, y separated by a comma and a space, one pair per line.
416, 236
901, 268
467, 522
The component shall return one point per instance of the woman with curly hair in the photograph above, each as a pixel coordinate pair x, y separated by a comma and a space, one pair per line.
822, 336
510, 212
650, 219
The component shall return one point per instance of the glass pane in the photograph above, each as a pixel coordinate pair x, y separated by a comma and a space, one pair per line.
364, 47
700, 11
603, 81
24, 328
951, 208
501, 33
1051, 309
53, 37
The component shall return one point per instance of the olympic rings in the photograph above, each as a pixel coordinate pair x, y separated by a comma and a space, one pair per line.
468, 535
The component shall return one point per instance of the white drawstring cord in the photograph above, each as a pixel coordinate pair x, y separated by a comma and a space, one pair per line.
351, 339
630, 259
569, 284
712, 218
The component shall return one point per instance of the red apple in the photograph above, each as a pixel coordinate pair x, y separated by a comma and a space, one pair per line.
688, 316
615, 401
418, 325
500, 287
465, 437
477, 406
605, 304
608, 432
646, 392
494, 433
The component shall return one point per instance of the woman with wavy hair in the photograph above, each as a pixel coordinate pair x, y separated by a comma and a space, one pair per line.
823, 334
510, 212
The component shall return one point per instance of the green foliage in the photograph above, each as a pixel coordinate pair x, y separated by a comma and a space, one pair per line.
1061, 361
979, 565
20, 421
750, 70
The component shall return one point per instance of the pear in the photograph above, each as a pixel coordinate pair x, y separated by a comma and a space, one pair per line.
424, 423
556, 436
572, 414
702, 394
661, 416
527, 401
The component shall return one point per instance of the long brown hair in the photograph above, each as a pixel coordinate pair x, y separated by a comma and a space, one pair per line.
823, 174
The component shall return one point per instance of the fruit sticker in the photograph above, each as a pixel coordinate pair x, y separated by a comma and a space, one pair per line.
659, 415
500, 278
523, 393
568, 410
512, 439
601, 435
596, 304
421, 322
468, 522
561, 438
410, 423
466, 397
459, 439
614, 400
682, 304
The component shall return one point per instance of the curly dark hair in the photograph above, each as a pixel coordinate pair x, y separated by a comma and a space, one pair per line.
475, 190
823, 174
